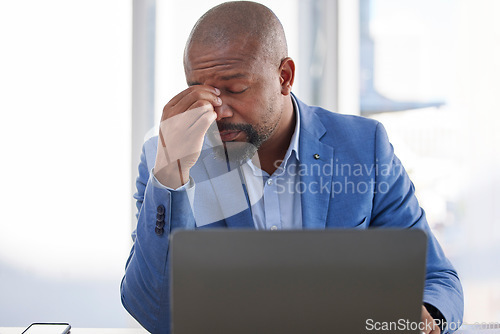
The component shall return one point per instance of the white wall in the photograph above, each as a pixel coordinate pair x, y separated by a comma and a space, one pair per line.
64, 146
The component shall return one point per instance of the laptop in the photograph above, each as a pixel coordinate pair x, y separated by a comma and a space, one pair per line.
297, 281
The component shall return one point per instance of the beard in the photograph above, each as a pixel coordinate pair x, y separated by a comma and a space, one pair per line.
238, 151
241, 151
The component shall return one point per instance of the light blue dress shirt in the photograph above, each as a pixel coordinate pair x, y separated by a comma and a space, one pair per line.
275, 199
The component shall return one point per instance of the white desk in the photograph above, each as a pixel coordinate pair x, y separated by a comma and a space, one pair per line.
478, 329
19, 330
465, 329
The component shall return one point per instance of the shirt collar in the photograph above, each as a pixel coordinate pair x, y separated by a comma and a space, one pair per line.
294, 143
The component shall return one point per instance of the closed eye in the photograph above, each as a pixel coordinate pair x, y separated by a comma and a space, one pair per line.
236, 92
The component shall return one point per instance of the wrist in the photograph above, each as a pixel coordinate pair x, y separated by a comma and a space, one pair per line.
171, 175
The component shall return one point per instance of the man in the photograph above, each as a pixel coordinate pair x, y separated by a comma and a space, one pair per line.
237, 149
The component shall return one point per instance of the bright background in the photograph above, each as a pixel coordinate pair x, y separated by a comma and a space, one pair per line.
65, 110
449, 50
64, 141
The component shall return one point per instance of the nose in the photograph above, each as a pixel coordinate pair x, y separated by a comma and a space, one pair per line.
223, 111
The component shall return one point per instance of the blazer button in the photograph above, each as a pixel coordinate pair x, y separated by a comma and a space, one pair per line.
160, 209
158, 231
160, 223
160, 216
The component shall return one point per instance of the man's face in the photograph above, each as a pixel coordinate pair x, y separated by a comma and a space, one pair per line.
250, 90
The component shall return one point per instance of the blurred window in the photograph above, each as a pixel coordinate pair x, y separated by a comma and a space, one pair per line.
429, 71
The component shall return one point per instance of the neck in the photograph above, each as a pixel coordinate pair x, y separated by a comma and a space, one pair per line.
273, 151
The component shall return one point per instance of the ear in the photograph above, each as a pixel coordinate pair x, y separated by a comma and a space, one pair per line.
287, 75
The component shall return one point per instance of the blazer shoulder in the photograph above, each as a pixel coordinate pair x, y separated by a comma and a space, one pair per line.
342, 128
333, 119
315, 117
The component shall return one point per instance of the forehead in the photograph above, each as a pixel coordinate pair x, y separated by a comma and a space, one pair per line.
235, 61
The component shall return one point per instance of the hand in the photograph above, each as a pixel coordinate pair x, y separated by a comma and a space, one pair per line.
428, 324
184, 122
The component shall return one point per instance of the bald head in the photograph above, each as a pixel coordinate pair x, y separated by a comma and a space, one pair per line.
244, 23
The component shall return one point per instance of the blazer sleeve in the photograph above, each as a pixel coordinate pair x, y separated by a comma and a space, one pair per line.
395, 205
145, 285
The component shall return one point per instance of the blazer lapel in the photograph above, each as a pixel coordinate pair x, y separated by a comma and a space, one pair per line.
316, 160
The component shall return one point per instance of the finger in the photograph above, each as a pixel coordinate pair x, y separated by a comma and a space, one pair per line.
202, 124
429, 325
201, 106
188, 90
185, 133
177, 125
192, 98
184, 99
200, 117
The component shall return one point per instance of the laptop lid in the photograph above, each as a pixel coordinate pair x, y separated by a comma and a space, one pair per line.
298, 281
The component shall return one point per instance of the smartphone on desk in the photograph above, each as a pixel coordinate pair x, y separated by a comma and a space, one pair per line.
47, 328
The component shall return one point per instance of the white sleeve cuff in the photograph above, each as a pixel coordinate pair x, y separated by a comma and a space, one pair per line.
189, 187
186, 186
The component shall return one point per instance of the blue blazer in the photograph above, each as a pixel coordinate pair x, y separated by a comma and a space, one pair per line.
353, 180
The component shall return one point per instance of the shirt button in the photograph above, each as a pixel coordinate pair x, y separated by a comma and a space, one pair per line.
274, 228
269, 182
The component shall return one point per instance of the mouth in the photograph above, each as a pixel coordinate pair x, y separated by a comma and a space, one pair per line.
229, 135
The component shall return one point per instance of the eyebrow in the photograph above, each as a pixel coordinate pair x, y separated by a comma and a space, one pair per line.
233, 76
225, 78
